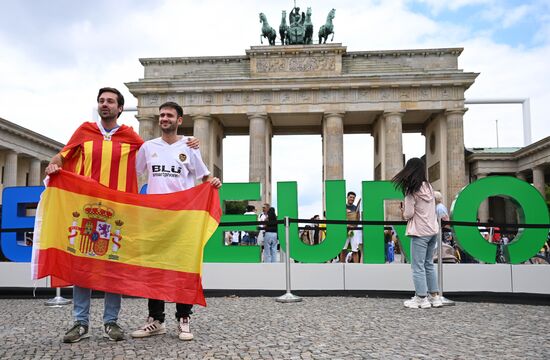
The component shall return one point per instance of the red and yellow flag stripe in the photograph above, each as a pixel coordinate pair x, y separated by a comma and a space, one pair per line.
151, 245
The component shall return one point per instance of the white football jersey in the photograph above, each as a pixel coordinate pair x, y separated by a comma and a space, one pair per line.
169, 167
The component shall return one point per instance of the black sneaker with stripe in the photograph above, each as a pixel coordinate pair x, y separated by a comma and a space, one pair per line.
76, 333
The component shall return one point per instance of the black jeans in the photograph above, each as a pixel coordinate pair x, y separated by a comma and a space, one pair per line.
156, 310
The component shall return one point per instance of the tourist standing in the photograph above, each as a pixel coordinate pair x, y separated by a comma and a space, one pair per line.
84, 155
171, 166
270, 236
422, 228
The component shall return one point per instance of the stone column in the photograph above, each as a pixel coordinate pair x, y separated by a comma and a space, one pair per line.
483, 211
393, 155
510, 213
538, 179
10, 169
35, 174
333, 146
456, 167
258, 153
201, 130
147, 124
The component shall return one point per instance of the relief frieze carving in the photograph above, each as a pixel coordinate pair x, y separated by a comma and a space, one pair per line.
286, 97
325, 96
271, 65
153, 100
405, 94
299, 64
228, 98
294, 96
266, 97
425, 94
247, 98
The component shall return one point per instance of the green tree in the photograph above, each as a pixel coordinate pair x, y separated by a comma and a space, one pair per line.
235, 207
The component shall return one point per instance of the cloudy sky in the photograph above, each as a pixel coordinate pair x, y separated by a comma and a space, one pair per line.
55, 54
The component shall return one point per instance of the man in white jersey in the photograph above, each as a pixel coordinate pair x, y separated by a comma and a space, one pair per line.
171, 166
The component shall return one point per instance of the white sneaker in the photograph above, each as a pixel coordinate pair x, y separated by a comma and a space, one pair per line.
184, 331
436, 301
417, 302
150, 328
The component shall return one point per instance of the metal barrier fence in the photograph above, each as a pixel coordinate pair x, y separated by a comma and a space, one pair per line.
288, 297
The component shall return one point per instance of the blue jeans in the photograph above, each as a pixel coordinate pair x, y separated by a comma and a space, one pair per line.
423, 269
81, 308
270, 247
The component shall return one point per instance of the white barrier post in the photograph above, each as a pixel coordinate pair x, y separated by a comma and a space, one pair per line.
288, 297
58, 300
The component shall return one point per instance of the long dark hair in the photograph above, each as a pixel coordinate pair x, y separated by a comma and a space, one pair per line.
410, 179
271, 216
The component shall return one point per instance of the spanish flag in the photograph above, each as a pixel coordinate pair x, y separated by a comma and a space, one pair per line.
149, 246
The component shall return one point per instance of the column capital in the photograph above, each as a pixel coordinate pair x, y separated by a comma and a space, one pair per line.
458, 111
256, 115
140, 117
333, 114
399, 113
201, 117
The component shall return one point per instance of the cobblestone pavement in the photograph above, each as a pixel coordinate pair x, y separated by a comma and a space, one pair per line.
317, 328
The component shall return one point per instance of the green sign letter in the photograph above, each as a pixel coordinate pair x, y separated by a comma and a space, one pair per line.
215, 249
531, 207
287, 204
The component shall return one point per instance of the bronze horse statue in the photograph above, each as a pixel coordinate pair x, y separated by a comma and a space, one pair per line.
283, 30
267, 31
328, 28
308, 36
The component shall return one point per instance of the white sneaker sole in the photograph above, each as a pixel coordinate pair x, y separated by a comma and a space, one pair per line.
185, 336
410, 306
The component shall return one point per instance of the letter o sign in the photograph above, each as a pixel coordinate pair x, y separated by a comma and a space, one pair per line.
531, 207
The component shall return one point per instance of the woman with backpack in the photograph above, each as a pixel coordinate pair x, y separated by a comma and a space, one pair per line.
422, 228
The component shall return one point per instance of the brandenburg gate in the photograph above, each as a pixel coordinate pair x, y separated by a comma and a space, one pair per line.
317, 89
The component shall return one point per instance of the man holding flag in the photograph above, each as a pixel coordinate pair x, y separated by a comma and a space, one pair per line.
105, 152
171, 166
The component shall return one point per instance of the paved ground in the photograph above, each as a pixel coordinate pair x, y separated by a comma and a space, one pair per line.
318, 328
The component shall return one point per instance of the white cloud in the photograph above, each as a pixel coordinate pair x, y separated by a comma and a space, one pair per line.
437, 6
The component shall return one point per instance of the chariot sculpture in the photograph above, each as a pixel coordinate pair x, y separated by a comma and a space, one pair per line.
298, 30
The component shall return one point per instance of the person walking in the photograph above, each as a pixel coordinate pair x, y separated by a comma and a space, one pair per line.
422, 228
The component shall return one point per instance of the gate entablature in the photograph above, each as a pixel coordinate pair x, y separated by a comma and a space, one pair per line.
323, 89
